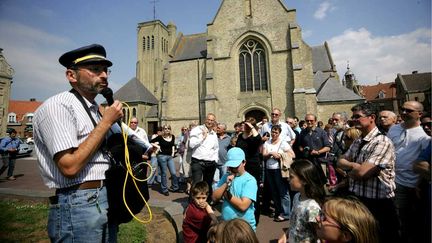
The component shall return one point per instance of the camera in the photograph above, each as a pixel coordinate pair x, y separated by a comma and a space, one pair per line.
306, 151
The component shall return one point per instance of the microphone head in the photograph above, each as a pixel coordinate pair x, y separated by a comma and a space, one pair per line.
107, 93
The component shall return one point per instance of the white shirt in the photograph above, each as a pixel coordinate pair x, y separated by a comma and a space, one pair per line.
61, 123
287, 133
204, 149
141, 133
280, 147
408, 145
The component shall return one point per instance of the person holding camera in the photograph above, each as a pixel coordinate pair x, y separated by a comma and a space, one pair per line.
9, 147
314, 145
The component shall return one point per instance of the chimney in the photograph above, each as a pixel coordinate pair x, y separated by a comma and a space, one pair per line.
414, 72
32, 99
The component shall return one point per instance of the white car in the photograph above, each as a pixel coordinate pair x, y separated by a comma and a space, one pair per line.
25, 149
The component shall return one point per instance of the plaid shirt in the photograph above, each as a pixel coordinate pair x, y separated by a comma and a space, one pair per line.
377, 149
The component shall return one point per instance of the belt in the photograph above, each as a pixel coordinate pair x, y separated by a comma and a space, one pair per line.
83, 186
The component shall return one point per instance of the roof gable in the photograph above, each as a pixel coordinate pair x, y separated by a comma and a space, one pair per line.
321, 59
371, 92
134, 91
22, 107
416, 82
332, 90
191, 47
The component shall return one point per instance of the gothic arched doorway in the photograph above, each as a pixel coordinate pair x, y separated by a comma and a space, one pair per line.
257, 114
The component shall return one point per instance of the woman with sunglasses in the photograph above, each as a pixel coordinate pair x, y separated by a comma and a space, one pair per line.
346, 220
166, 142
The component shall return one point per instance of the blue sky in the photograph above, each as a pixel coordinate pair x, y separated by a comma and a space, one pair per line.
380, 38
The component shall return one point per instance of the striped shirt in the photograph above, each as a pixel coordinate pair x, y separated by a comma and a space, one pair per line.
377, 149
61, 123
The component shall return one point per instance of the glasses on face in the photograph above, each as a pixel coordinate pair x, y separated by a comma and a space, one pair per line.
356, 117
274, 114
134, 122
323, 217
310, 120
426, 124
96, 69
406, 110
167, 128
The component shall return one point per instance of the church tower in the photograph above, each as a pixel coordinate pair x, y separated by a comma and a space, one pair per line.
155, 40
349, 80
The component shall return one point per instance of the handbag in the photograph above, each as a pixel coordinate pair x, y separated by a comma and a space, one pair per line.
135, 191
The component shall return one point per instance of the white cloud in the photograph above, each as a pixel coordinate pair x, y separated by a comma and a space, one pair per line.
380, 58
33, 54
322, 10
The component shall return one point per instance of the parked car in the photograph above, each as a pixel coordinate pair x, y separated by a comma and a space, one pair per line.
30, 141
24, 148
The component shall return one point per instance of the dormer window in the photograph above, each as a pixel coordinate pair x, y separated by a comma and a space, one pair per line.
381, 95
12, 118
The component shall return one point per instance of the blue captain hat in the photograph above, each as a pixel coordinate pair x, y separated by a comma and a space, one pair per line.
93, 53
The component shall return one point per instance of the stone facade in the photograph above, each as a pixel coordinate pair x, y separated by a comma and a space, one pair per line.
197, 74
6, 74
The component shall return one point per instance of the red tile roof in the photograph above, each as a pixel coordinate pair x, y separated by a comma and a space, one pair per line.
22, 107
371, 92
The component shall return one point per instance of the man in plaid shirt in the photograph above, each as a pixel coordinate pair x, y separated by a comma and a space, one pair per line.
371, 165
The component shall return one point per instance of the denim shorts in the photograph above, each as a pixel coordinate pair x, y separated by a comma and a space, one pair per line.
80, 216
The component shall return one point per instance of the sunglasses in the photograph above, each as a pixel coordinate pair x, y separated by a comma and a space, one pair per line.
355, 117
274, 114
426, 124
134, 122
407, 110
323, 217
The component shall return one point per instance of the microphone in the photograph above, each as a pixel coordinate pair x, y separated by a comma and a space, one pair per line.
107, 93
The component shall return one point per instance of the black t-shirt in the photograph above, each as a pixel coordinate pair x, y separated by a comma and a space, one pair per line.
165, 146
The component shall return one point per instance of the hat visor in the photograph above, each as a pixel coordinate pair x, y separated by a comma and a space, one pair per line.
233, 163
95, 61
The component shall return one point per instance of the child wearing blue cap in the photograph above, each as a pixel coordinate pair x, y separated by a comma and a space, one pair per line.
238, 189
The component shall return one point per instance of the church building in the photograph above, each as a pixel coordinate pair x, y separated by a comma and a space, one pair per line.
251, 58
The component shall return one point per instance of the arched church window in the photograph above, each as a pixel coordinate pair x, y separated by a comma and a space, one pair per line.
148, 42
252, 66
134, 112
152, 42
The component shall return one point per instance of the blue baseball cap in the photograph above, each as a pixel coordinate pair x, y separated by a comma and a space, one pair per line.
235, 157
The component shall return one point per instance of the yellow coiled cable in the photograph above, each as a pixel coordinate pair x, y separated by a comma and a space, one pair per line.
129, 172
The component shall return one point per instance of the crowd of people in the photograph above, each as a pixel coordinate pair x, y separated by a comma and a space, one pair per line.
363, 179
371, 162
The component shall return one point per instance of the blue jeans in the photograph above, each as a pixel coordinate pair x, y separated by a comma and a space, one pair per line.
8, 163
154, 164
280, 193
81, 216
165, 161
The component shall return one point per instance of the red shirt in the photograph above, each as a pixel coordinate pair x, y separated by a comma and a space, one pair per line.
195, 224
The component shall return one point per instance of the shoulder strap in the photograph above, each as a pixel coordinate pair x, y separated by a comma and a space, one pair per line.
103, 145
81, 99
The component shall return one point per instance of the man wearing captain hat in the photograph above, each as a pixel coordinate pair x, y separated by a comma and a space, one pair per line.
67, 145
238, 189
